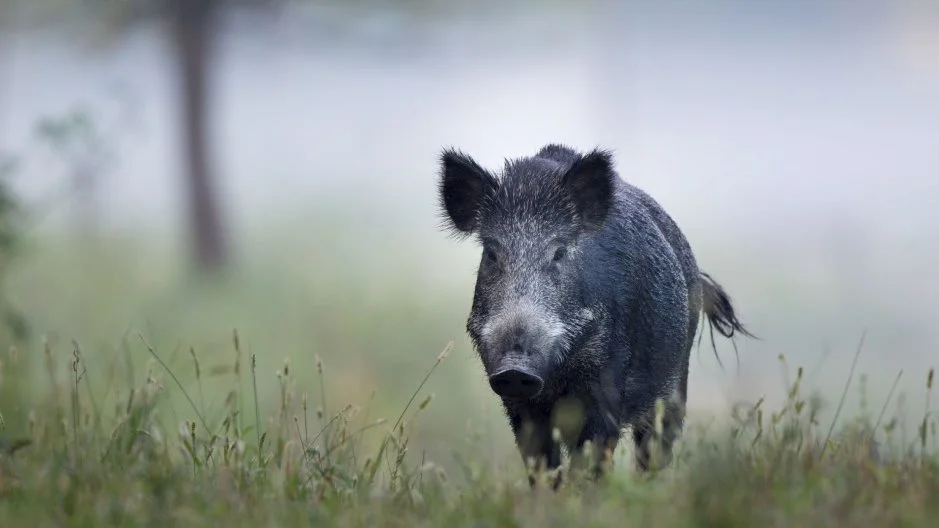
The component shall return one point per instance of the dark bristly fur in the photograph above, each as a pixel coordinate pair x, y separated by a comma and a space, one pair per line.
587, 300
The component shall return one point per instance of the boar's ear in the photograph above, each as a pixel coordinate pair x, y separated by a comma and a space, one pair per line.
589, 183
463, 186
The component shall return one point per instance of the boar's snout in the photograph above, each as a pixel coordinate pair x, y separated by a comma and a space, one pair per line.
516, 382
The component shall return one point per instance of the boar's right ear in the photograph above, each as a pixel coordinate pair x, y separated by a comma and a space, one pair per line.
589, 183
463, 187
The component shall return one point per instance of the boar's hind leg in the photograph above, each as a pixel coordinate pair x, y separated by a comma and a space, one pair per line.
535, 444
644, 436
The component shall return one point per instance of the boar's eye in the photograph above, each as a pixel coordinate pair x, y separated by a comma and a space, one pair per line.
490, 256
490, 251
559, 254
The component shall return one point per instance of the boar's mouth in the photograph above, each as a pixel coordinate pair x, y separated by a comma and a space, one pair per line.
525, 376
536, 365
517, 379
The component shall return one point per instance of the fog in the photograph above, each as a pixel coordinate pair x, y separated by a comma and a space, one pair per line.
797, 146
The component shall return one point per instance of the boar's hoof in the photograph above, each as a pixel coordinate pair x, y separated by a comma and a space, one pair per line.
515, 383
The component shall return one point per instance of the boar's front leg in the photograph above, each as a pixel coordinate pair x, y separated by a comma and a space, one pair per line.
533, 437
603, 437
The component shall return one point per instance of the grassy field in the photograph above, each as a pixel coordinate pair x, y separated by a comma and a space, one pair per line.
330, 382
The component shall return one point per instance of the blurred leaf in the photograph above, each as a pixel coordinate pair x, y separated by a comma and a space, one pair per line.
9, 447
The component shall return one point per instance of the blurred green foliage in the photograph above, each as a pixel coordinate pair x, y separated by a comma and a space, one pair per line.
14, 322
14, 328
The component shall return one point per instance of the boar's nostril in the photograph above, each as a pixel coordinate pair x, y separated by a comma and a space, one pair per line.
515, 383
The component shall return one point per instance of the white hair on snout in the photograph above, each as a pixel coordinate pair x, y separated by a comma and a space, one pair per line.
532, 316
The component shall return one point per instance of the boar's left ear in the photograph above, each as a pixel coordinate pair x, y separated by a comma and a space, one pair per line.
463, 187
589, 183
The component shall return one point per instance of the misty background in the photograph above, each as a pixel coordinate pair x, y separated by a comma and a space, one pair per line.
795, 143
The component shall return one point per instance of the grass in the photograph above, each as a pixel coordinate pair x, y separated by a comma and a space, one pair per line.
92, 465
345, 398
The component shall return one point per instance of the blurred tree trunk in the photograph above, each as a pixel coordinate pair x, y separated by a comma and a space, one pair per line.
192, 34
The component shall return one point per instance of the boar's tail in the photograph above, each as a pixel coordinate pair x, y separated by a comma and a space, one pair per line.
719, 312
